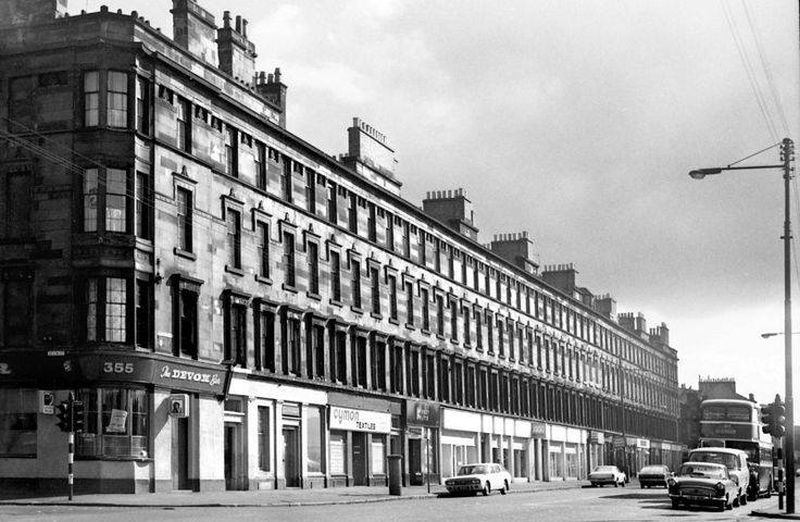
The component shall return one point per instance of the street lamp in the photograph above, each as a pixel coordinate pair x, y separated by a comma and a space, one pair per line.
767, 335
786, 156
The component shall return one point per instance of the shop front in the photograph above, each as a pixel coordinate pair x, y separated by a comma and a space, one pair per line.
361, 432
595, 449
567, 453
423, 421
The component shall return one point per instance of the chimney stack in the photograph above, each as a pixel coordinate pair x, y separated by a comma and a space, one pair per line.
195, 30
452, 208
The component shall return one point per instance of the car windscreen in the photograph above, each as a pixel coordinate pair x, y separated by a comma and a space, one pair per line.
728, 460
473, 470
700, 471
653, 470
607, 469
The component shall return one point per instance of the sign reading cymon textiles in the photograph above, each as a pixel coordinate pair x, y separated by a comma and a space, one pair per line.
360, 420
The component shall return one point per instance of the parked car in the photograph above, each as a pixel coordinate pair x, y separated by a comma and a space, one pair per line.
733, 459
650, 476
703, 483
484, 477
602, 475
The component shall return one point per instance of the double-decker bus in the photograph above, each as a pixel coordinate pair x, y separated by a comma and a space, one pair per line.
734, 423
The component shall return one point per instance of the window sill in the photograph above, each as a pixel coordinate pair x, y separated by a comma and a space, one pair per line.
289, 288
234, 270
265, 280
425, 331
393, 320
410, 326
334, 302
379, 317
357, 309
454, 341
313, 296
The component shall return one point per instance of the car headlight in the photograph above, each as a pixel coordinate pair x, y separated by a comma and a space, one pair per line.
476, 481
719, 489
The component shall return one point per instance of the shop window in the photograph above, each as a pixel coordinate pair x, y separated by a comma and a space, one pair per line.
142, 105
115, 423
264, 447
336, 277
17, 326
117, 99
18, 422
234, 238
185, 210
338, 452
91, 98
313, 419
106, 305
378, 454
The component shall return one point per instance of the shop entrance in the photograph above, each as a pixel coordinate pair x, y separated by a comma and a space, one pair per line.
291, 456
360, 477
180, 454
233, 456
415, 462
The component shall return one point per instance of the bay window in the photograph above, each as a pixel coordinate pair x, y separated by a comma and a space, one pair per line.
115, 423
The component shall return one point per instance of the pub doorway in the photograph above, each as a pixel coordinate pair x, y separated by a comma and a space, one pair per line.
291, 456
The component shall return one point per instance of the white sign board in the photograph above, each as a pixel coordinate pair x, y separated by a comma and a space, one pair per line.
360, 420
116, 424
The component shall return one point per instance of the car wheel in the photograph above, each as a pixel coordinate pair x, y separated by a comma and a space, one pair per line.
486, 489
743, 500
616, 484
676, 503
728, 503
736, 499
623, 483
641, 485
505, 488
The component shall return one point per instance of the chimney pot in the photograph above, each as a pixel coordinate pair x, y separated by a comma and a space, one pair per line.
238, 24
226, 18
244, 27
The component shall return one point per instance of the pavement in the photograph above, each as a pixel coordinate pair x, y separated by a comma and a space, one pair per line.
258, 498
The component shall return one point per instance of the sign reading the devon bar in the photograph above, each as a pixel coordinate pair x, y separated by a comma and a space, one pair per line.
360, 420
187, 377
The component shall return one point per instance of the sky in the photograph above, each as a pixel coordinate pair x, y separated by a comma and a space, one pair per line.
576, 121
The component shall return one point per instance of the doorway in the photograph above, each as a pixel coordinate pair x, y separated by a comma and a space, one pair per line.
233, 457
415, 462
291, 456
360, 477
180, 454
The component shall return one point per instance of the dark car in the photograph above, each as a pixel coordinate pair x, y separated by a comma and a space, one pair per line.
650, 476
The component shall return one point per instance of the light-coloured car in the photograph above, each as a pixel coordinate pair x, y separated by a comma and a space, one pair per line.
656, 475
483, 476
602, 475
733, 459
703, 483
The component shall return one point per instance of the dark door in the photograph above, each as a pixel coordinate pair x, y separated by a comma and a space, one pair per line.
231, 456
180, 454
291, 457
415, 462
360, 459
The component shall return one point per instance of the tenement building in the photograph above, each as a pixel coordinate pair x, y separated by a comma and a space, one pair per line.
237, 309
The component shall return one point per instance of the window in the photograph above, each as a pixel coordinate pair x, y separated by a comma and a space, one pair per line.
265, 337
375, 284
116, 199
353, 214
142, 105
454, 320
313, 439
264, 446
338, 350
234, 222
391, 282
426, 324
290, 348
336, 277
311, 191
18, 422
144, 203
355, 272
236, 330
409, 303
332, 206
18, 203
288, 259
17, 326
372, 230
108, 206
378, 365
115, 423
359, 363
185, 330
91, 99
338, 452
478, 330
106, 317
263, 249
489, 333
143, 313
390, 232
231, 151
260, 159
117, 99
286, 180
396, 368
315, 345
412, 372
407, 240
467, 326
501, 349
313, 268
183, 125
90, 200
185, 210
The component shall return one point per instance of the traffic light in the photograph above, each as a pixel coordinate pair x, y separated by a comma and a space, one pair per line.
64, 415
778, 417
77, 416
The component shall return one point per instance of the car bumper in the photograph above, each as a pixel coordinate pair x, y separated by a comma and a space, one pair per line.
603, 481
463, 488
652, 482
700, 500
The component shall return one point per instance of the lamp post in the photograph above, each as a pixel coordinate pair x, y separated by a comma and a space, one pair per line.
787, 155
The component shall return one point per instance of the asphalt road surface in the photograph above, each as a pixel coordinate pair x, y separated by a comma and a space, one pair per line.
585, 504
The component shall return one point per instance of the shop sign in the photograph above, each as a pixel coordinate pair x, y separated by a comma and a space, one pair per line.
597, 437
116, 424
422, 413
619, 442
643, 443
180, 376
360, 420
538, 430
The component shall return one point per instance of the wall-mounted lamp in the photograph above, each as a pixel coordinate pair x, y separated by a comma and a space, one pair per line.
158, 277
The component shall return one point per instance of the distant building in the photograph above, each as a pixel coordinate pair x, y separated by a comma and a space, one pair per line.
239, 310
690, 400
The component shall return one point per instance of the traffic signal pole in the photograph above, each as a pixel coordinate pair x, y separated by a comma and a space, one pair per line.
787, 153
71, 444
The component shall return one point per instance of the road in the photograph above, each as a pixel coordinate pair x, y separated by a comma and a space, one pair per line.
585, 504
